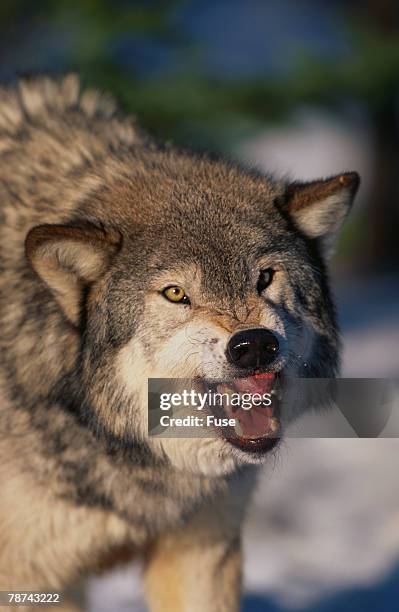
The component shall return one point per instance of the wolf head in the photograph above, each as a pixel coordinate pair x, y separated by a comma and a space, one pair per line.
184, 267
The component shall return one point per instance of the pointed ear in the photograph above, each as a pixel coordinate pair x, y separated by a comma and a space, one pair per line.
319, 208
70, 258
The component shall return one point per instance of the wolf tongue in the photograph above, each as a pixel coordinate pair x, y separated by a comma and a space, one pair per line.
255, 422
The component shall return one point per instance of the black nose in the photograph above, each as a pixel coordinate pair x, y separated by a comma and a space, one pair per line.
252, 348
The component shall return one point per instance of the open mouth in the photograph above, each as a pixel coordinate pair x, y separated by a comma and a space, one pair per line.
253, 403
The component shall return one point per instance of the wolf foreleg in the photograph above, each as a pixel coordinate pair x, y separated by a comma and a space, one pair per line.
187, 572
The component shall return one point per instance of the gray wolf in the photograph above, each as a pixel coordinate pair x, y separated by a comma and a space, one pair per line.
122, 260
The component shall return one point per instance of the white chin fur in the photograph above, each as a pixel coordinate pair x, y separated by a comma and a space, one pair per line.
207, 457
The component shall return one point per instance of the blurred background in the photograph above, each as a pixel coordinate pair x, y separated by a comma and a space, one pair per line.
301, 88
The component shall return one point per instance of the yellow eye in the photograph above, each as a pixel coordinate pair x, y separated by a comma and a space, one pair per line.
176, 294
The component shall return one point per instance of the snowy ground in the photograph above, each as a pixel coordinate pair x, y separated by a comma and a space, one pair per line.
325, 520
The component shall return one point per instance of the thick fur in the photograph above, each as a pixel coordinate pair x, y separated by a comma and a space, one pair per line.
95, 220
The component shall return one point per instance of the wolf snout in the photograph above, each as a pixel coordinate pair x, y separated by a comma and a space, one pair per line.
252, 348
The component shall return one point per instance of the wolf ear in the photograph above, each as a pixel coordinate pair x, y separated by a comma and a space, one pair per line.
319, 208
70, 258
